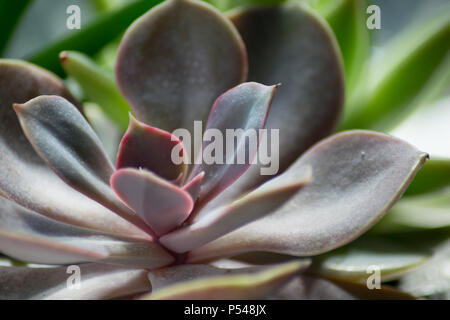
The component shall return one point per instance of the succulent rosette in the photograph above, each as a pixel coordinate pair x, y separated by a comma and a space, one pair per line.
149, 227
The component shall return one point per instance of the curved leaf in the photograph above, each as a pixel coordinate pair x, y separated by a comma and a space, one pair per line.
244, 107
233, 286
291, 45
98, 281
23, 174
223, 220
353, 261
338, 205
161, 204
28, 236
151, 149
64, 139
176, 60
109, 25
193, 186
98, 86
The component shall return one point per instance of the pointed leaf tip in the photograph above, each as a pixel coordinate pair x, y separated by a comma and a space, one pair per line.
171, 86
152, 149
339, 205
244, 109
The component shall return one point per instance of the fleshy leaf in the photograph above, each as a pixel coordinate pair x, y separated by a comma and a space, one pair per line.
161, 204
233, 286
352, 262
223, 220
312, 288
423, 48
64, 139
99, 281
28, 236
291, 45
338, 205
98, 86
24, 177
151, 149
430, 211
175, 60
243, 107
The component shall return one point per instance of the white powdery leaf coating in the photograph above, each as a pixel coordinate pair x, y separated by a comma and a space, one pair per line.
30, 237
24, 177
357, 177
97, 281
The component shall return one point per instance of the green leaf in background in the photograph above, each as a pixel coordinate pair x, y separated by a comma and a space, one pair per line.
352, 262
93, 37
225, 5
434, 175
423, 212
10, 14
98, 86
403, 72
347, 18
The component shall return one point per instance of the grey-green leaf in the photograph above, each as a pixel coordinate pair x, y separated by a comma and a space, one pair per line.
338, 205
292, 45
23, 174
28, 236
64, 139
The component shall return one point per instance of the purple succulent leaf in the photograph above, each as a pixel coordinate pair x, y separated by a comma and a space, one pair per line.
202, 282
150, 148
291, 45
305, 287
256, 204
244, 107
194, 185
27, 236
24, 177
65, 140
175, 60
338, 205
161, 204
99, 281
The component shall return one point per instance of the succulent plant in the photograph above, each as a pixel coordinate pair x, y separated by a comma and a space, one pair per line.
150, 228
